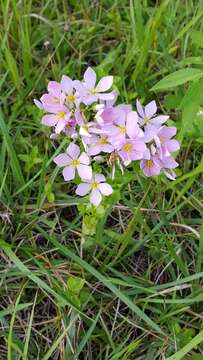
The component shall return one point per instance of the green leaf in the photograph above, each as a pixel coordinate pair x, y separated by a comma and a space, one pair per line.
75, 284
197, 38
185, 350
178, 78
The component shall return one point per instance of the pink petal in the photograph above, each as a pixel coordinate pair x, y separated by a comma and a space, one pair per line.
99, 178
90, 78
79, 118
158, 120
150, 109
67, 84
104, 84
69, 173
50, 104
62, 160
54, 88
89, 99
132, 116
49, 120
170, 174
105, 189
83, 189
94, 149
38, 104
95, 197
106, 97
133, 130
167, 132
84, 159
169, 162
172, 145
84, 171
73, 150
140, 109
60, 125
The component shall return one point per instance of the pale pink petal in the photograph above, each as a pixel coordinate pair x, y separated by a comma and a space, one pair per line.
38, 104
94, 149
73, 150
83, 189
50, 103
89, 99
104, 84
105, 189
95, 197
67, 84
69, 173
140, 109
84, 132
170, 174
99, 178
62, 160
84, 159
49, 120
172, 145
167, 132
132, 128
90, 78
150, 109
60, 125
169, 162
84, 171
81, 90
54, 88
79, 118
106, 97
132, 116
158, 120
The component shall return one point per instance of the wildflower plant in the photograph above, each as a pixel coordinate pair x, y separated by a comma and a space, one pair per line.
104, 135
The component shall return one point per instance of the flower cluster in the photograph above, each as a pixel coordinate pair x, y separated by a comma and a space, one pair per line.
102, 132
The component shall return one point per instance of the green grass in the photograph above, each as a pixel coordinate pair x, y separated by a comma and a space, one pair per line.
133, 291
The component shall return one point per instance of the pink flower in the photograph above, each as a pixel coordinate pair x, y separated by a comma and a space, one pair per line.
71, 96
168, 163
98, 144
97, 186
125, 125
164, 142
151, 166
131, 149
147, 115
58, 119
72, 160
90, 92
54, 100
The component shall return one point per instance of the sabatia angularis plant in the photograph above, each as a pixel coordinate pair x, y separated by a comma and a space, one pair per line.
102, 132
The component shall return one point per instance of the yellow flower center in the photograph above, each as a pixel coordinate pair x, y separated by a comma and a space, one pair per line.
128, 147
93, 91
94, 185
75, 162
86, 127
61, 115
146, 119
56, 100
103, 141
149, 163
161, 140
71, 98
122, 129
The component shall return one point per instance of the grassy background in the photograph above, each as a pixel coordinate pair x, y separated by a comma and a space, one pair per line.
137, 293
